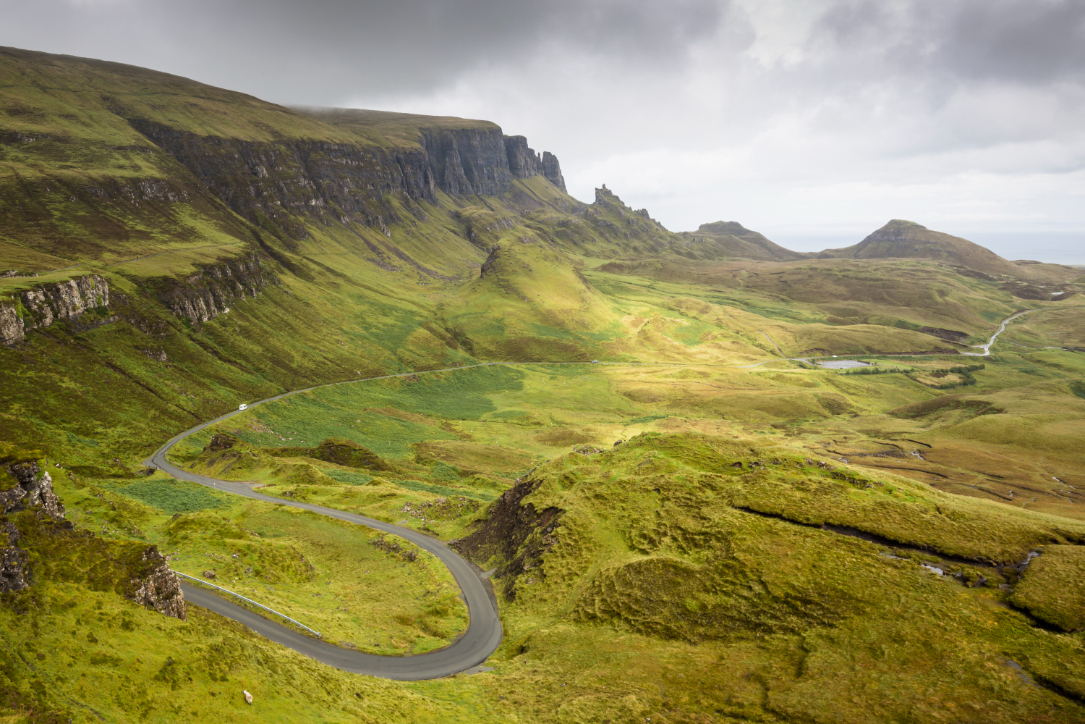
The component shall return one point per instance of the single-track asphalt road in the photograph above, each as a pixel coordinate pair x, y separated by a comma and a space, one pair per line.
1001, 328
481, 639
483, 633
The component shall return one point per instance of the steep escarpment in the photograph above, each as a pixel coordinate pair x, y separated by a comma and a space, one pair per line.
464, 156
468, 161
209, 293
284, 181
278, 182
40, 306
525, 162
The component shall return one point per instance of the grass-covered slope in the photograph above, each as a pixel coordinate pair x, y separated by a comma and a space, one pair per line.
689, 539
707, 570
531, 302
920, 296
695, 546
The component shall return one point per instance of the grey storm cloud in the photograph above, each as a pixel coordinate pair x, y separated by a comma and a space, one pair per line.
1026, 41
318, 48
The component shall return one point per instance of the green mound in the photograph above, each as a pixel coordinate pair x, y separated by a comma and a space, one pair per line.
340, 451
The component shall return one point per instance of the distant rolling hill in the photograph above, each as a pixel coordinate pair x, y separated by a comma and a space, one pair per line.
730, 239
901, 239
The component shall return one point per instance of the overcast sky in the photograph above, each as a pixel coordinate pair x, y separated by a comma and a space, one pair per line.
813, 121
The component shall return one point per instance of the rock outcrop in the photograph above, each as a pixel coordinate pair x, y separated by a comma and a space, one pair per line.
525, 163
40, 306
468, 161
12, 327
513, 536
344, 182
551, 170
141, 573
33, 487
337, 182
157, 587
206, 295
13, 560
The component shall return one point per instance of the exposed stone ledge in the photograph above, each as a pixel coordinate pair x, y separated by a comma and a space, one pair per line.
34, 487
204, 296
157, 587
13, 560
39, 307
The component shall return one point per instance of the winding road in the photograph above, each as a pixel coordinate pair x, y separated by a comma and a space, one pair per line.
1002, 328
484, 631
483, 634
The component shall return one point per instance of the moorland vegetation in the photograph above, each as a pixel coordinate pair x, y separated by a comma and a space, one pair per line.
702, 527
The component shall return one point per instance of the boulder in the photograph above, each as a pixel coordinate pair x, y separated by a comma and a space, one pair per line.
219, 442
13, 561
34, 487
157, 587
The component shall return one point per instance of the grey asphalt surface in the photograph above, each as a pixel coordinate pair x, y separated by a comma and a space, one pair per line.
1002, 328
481, 639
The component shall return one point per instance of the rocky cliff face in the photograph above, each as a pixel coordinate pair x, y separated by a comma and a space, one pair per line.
41, 306
468, 161
340, 182
551, 170
157, 587
13, 560
333, 181
204, 296
33, 487
525, 162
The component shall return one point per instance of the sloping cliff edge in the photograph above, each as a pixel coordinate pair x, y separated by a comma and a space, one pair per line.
39, 307
345, 182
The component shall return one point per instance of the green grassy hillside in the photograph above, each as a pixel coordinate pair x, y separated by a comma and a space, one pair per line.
724, 529
698, 530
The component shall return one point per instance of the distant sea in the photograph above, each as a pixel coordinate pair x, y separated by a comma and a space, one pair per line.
1054, 248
